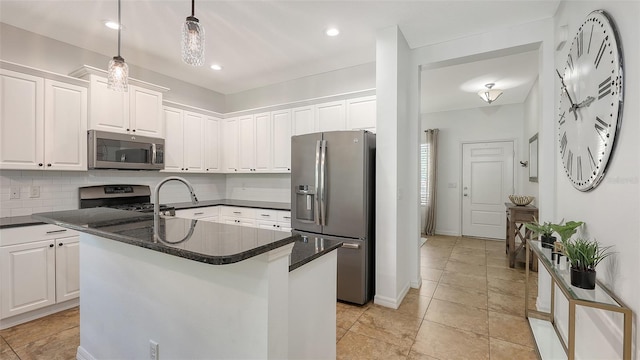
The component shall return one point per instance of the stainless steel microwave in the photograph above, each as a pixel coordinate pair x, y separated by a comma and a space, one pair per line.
123, 151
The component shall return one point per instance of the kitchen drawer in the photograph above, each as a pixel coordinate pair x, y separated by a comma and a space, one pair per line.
197, 213
26, 234
284, 217
266, 215
238, 212
233, 220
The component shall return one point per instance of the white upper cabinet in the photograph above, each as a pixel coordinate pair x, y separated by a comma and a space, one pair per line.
330, 116
281, 141
303, 120
212, 145
174, 143
361, 113
43, 123
193, 142
136, 111
230, 133
186, 144
263, 142
246, 144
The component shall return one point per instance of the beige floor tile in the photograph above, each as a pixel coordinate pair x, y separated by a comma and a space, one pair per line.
414, 305
506, 304
435, 252
340, 333
427, 289
32, 331
471, 243
417, 356
60, 346
472, 281
460, 250
430, 274
511, 328
4, 346
459, 316
496, 253
513, 288
494, 244
444, 342
346, 315
461, 267
388, 325
353, 346
431, 263
502, 350
444, 241
505, 273
502, 262
473, 259
461, 295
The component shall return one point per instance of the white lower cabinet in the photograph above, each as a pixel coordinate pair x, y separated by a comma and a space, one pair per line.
235, 215
238, 216
38, 267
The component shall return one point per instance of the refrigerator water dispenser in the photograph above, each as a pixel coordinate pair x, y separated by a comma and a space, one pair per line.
305, 198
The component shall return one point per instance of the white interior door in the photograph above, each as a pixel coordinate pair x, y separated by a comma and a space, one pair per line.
487, 181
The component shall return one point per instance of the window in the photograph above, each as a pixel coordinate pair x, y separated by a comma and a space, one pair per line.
424, 188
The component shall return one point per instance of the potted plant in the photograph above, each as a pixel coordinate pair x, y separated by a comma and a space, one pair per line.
545, 231
566, 230
584, 255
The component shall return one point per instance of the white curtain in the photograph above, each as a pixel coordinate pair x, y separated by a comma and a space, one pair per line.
430, 177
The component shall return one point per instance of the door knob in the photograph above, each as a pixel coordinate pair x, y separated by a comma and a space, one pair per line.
465, 194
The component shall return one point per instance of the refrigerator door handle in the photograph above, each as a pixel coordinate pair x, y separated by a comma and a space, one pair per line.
316, 213
323, 190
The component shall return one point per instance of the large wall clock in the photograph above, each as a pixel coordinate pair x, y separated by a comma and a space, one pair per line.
591, 99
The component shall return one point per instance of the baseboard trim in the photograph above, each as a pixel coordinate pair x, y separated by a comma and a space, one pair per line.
446, 233
38, 313
83, 354
393, 303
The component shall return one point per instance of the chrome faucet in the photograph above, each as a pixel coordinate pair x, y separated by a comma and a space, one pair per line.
156, 202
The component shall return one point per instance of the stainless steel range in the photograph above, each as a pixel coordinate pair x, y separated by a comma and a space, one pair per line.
124, 197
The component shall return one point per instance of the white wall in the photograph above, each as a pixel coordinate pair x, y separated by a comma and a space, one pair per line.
498, 122
612, 210
341, 81
530, 128
259, 187
30, 49
59, 189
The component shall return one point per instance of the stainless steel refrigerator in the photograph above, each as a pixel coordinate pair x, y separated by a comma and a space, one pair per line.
333, 197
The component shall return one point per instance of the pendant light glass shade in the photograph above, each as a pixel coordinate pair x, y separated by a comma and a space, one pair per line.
118, 74
193, 40
490, 95
118, 71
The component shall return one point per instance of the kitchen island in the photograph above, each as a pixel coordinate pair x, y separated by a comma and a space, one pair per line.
204, 290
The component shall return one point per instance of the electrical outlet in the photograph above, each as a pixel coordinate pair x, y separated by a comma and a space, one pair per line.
15, 192
34, 192
154, 349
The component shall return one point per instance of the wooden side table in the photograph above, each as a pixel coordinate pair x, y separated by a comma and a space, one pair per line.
517, 216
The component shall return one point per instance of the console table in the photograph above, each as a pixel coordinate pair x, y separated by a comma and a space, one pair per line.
599, 298
517, 216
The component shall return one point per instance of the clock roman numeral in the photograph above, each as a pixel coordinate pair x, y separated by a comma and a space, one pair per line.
570, 162
562, 119
590, 37
580, 43
604, 88
601, 128
579, 168
593, 161
603, 46
563, 143
570, 62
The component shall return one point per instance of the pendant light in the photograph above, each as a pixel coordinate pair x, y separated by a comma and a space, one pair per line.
193, 40
118, 72
490, 95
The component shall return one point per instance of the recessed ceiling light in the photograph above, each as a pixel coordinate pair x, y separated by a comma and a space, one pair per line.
332, 31
216, 67
112, 25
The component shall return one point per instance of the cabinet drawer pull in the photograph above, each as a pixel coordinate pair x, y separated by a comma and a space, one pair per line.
198, 213
50, 245
265, 215
286, 217
237, 212
60, 244
56, 231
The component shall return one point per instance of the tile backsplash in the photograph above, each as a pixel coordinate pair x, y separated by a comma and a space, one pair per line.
58, 190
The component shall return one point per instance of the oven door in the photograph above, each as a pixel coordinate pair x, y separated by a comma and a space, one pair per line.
123, 151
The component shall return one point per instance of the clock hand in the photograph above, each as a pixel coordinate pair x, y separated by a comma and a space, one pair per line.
564, 87
586, 102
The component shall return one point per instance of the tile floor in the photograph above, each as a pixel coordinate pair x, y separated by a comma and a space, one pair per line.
470, 306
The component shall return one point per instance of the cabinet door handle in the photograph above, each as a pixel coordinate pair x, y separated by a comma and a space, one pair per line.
60, 244
56, 231
49, 165
40, 164
50, 245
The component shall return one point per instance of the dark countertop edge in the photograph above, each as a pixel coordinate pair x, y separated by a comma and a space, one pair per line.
185, 254
308, 259
27, 220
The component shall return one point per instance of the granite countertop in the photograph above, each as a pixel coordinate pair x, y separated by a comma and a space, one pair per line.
203, 241
27, 220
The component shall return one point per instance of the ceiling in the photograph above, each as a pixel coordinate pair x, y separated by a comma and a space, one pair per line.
265, 42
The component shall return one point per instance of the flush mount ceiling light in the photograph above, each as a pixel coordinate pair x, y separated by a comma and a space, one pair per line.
489, 94
332, 31
192, 40
216, 67
112, 25
118, 72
